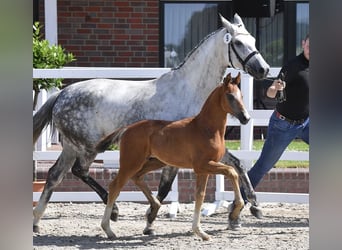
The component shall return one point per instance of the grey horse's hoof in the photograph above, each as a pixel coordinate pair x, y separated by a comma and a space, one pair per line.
114, 215
256, 212
149, 231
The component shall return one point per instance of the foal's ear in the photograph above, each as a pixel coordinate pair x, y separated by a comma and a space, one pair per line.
237, 79
227, 79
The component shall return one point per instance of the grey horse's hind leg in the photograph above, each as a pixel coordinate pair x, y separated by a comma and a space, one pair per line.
83, 174
230, 159
55, 175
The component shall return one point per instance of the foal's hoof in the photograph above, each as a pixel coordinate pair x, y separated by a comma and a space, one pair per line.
256, 211
149, 231
234, 224
36, 229
111, 236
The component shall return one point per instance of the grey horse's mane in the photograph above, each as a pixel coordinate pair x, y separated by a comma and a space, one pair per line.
196, 47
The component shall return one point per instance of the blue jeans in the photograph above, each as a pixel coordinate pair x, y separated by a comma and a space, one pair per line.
280, 133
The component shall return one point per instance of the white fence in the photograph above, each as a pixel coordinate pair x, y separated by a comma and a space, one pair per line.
246, 154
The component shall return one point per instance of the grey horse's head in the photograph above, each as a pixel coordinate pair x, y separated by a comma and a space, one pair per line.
242, 53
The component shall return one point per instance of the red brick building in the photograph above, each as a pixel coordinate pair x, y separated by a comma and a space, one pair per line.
109, 33
135, 33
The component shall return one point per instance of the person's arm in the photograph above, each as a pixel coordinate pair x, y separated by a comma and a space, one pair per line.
273, 89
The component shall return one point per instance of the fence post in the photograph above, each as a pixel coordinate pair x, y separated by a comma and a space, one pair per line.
51, 21
43, 138
246, 138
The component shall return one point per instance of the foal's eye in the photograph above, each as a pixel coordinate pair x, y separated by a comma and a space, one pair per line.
230, 97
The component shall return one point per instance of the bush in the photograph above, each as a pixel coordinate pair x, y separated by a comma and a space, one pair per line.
46, 56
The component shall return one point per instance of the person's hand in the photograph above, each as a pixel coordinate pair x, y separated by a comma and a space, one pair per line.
278, 84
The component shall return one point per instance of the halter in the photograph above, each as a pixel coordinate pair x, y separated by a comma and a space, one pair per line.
243, 62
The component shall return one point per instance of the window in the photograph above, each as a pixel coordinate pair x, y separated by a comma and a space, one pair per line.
302, 24
185, 23
269, 32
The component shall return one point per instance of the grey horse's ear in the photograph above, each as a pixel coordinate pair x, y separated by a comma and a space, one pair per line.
238, 20
227, 25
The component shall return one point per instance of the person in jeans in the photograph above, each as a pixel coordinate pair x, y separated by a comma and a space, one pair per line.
290, 119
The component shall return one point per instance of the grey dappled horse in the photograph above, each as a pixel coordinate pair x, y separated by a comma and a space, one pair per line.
86, 111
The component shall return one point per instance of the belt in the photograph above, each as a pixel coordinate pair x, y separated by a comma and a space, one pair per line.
281, 117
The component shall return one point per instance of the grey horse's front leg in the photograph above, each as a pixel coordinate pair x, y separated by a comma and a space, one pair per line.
83, 174
231, 160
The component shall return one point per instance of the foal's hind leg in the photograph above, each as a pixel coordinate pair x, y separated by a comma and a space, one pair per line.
114, 190
82, 172
129, 167
152, 211
54, 177
154, 202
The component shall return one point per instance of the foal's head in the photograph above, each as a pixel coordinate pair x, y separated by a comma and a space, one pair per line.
233, 102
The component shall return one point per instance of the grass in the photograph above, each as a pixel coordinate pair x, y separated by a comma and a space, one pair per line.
296, 145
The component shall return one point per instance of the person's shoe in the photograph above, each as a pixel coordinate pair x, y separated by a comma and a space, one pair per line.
256, 212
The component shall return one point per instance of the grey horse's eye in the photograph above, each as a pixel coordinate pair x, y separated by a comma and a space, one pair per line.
238, 43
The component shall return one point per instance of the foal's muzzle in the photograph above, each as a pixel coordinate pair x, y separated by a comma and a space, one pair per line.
243, 117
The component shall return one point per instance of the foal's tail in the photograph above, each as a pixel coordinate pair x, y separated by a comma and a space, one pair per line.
110, 139
43, 116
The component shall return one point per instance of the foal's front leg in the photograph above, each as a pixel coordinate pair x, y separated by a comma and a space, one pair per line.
228, 171
201, 185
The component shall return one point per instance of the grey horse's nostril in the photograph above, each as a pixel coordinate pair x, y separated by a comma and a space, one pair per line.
262, 70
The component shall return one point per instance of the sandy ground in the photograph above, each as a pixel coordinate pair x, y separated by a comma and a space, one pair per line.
77, 226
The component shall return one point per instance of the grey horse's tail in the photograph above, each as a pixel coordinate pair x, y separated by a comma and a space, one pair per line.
110, 139
43, 116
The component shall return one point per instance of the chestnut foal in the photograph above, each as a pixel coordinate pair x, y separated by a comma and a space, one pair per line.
195, 142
